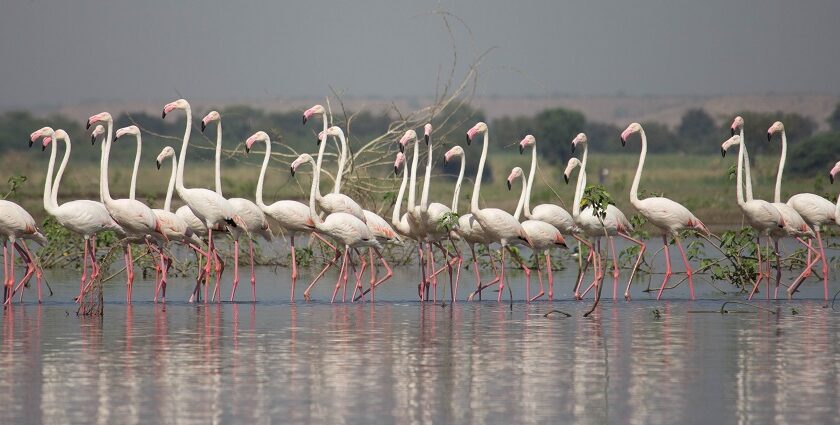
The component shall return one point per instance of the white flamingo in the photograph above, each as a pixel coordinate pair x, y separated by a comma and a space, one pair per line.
16, 224
346, 229
614, 223
500, 225
84, 217
253, 219
761, 215
137, 220
795, 224
292, 216
665, 214
468, 228
543, 236
210, 207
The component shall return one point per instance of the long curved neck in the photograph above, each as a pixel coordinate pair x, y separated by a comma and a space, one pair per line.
531, 175
777, 196
64, 160
259, 194
739, 182
424, 200
49, 186
457, 191
581, 182
167, 204
522, 197
634, 189
314, 189
182, 159
103, 166
413, 184
321, 147
479, 173
342, 158
133, 188
747, 177
395, 216
219, 157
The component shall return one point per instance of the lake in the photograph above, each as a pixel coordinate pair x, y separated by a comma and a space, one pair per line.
402, 361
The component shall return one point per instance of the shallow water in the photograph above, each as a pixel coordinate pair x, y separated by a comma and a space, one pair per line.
400, 361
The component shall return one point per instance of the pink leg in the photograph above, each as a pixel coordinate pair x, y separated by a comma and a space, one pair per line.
589, 258
388, 274
550, 272
642, 248
340, 273
26, 257
235, 268
306, 294
11, 279
611, 241
476, 270
502, 277
358, 286
459, 265
539, 276
688, 270
84, 268
294, 269
824, 263
667, 267
5, 272
798, 281
760, 275
129, 271
253, 276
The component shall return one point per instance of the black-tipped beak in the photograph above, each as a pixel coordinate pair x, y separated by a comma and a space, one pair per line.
30, 143
304, 119
509, 185
573, 147
831, 178
723, 152
468, 140
92, 140
426, 139
566, 177
623, 143
292, 170
43, 148
444, 160
769, 136
247, 149
521, 149
402, 147
317, 142
732, 131
396, 170
87, 126
158, 164
203, 126
116, 136
163, 114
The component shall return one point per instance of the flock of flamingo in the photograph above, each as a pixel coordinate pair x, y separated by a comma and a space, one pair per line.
346, 228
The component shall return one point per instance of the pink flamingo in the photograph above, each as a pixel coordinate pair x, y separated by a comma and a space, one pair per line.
665, 214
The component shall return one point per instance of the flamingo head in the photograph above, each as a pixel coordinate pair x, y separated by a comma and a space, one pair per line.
833, 172
210, 117
515, 173
478, 128
58, 135
527, 141
427, 132
732, 141
632, 128
454, 151
315, 110
39, 133
737, 123
171, 106
335, 131
97, 131
579, 139
570, 166
165, 153
131, 130
302, 159
102, 116
777, 127
259, 136
408, 136
399, 162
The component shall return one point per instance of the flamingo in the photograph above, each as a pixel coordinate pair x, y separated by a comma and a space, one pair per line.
254, 220
346, 229
16, 224
761, 215
136, 219
175, 227
84, 217
468, 228
500, 226
613, 224
292, 216
665, 214
543, 236
208, 206
796, 226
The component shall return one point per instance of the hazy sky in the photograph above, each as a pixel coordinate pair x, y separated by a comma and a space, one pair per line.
63, 52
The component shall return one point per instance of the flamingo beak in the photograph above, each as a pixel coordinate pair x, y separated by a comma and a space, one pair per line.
426, 139
116, 136
566, 177
92, 140
402, 147
509, 185
623, 142
723, 152
87, 126
831, 178
43, 148
469, 140
304, 119
396, 170
163, 114
157, 162
769, 136
521, 149
573, 147
732, 130
292, 168
30, 143
203, 126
